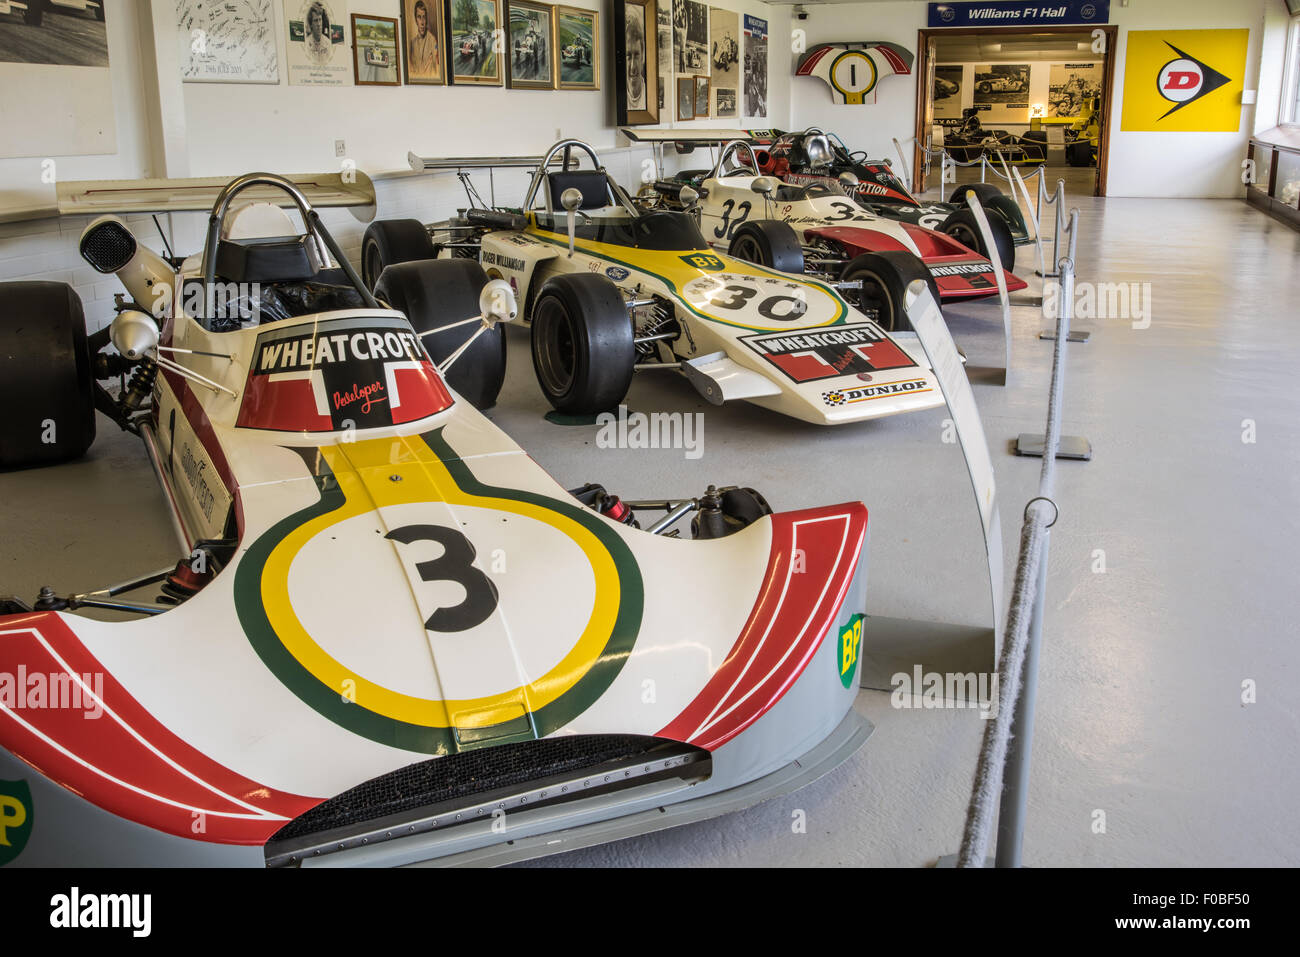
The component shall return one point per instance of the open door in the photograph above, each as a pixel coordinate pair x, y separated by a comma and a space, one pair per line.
924, 113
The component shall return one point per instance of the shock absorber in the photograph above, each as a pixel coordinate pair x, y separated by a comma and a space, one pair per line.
141, 384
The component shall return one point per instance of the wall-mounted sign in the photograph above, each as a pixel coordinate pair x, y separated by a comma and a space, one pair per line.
1184, 81
852, 70
1019, 13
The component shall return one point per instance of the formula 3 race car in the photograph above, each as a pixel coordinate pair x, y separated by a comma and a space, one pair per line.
612, 286
818, 229
340, 671
817, 157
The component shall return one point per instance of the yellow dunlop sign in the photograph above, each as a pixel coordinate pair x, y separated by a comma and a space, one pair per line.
1184, 81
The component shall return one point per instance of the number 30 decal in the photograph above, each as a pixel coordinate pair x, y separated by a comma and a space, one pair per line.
454, 565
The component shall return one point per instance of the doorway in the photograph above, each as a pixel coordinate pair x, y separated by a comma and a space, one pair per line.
1041, 96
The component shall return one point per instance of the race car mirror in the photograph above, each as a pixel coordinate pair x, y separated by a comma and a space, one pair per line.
688, 196
497, 302
571, 199
849, 179
134, 333
766, 185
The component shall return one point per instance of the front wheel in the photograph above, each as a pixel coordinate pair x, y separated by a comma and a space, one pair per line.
391, 241
885, 277
438, 292
46, 383
584, 346
767, 242
964, 227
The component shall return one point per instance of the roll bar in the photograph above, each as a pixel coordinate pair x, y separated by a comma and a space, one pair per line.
539, 177
730, 148
310, 218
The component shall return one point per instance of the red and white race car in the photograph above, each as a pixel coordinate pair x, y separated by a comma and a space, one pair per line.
817, 228
343, 672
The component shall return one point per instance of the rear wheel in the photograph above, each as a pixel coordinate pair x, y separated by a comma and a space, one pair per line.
437, 292
770, 243
46, 385
885, 277
986, 192
1079, 154
583, 344
391, 241
964, 227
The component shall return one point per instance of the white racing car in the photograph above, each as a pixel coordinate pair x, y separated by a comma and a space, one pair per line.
392, 637
611, 287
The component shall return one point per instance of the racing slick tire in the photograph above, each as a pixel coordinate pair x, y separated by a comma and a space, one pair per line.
435, 293
32, 15
963, 227
885, 277
986, 192
46, 377
770, 243
391, 241
583, 344
1079, 154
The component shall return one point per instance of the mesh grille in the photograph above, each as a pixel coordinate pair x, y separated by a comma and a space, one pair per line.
108, 247
465, 774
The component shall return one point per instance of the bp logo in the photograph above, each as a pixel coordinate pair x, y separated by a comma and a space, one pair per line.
849, 648
703, 261
15, 819
1185, 79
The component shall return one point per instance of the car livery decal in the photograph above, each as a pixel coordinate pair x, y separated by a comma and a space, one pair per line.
755, 287
866, 393
432, 472
806, 356
16, 819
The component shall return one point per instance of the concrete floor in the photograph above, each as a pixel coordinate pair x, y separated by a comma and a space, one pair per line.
1140, 710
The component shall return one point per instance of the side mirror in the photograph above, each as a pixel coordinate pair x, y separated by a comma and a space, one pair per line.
571, 199
497, 302
688, 196
134, 333
849, 179
765, 185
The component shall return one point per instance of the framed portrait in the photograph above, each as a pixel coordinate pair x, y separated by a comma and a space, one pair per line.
530, 45
424, 42
317, 48
686, 97
374, 51
701, 96
577, 37
471, 32
636, 79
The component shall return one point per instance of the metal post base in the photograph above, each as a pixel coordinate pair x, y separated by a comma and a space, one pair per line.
1071, 447
1075, 335
950, 861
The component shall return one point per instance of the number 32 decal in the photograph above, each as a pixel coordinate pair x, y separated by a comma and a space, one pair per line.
728, 227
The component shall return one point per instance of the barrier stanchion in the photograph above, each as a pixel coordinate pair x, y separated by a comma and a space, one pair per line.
981, 219
1000, 789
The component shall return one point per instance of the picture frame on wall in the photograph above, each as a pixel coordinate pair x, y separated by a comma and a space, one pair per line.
424, 42
375, 60
701, 96
577, 38
636, 79
472, 59
530, 45
686, 97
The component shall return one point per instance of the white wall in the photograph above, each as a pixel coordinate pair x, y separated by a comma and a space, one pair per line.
1141, 164
169, 128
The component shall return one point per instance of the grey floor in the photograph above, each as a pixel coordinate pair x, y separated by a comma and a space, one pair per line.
1141, 713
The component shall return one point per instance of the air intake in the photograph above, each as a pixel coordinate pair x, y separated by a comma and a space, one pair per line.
107, 245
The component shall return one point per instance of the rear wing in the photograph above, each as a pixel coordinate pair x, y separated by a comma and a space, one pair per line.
422, 163
352, 189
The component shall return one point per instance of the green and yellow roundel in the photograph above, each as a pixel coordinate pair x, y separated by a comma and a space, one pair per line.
432, 472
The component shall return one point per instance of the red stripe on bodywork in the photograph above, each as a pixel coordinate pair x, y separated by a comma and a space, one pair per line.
814, 555
124, 761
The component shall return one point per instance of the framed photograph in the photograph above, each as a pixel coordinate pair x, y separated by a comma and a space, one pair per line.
577, 37
374, 50
636, 78
701, 97
755, 66
690, 36
317, 48
686, 97
471, 29
665, 44
424, 42
724, 57
530, 45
